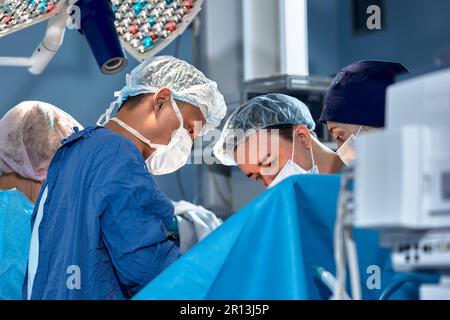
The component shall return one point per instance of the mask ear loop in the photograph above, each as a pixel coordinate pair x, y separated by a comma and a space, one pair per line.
310, 149
177, 111
359, 131
293, 145
312, 158
180, 117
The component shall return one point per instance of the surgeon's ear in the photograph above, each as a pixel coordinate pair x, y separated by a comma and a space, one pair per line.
302, 133
161, 98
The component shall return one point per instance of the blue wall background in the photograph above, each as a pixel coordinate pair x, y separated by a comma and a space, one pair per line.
323, 36
413, 31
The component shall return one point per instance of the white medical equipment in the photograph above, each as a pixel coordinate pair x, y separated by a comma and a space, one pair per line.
402, 180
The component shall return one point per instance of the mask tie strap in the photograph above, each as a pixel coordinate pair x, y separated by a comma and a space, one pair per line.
109, 111
136, 134
106, 115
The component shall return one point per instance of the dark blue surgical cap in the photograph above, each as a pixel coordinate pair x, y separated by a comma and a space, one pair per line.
358, 93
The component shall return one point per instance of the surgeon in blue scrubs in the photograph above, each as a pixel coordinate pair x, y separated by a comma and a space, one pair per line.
355, 102
100, 223
30, 134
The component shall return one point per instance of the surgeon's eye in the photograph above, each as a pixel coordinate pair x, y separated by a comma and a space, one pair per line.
339, 136
266, 161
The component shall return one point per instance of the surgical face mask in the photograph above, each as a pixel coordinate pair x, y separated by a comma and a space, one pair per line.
169, 158
347, 151
291, 168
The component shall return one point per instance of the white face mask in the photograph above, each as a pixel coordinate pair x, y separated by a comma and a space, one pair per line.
169, 158
347, 151
291, 168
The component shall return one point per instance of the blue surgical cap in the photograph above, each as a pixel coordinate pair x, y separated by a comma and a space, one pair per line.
358, 93
260, 113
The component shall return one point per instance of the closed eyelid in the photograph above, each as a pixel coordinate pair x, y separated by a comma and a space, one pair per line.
265, 159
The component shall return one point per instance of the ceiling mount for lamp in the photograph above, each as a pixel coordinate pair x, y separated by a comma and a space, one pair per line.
146, 27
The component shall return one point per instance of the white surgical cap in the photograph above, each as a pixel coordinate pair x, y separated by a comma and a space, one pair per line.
30, 134
186, 83
260, 113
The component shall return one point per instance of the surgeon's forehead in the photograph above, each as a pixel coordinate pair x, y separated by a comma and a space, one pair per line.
339, 125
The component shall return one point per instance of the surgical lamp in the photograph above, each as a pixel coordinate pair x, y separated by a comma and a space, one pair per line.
146, 27
142, 27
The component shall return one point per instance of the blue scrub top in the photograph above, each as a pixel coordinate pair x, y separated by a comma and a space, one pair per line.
15, 215
103, 229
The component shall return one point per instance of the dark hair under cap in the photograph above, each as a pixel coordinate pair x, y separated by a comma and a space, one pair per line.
358, 93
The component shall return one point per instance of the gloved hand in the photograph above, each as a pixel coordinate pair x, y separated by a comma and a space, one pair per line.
194, 224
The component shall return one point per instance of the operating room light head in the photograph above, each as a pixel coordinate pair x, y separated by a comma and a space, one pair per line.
262, 155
